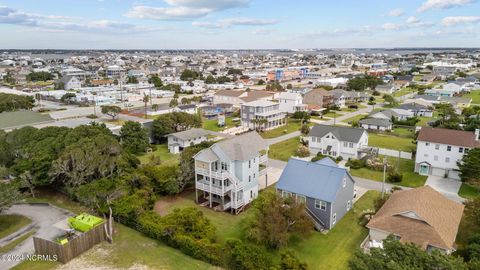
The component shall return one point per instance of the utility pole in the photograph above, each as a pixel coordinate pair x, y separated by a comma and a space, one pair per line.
384, 175
94, 103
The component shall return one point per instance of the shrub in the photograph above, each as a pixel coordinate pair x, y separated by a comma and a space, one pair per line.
375, 93
302, 151
353, 106
290, 262
356, 163
304, 129
242, 255
318, 157
92, 116
394, 177
338, 159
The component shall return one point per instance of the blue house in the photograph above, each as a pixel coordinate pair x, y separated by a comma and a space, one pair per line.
326, 189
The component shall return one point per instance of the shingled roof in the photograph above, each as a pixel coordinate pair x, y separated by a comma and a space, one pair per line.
346, 134
421, 216
448, 136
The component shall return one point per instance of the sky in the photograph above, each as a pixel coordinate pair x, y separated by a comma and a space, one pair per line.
238, 24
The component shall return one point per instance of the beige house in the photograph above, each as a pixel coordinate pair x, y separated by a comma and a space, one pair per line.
421, 216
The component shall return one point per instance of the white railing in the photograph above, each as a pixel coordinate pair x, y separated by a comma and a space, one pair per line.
263, 172
263, 158
214, 174
213, 189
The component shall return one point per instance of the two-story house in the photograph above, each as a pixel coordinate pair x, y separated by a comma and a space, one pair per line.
178, 141
326, 189
227, 174
345, 142
319, 97
438, 150
263, 115
291, 102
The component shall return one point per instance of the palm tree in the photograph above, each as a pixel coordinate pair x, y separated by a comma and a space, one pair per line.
155, 107
263, 122
145, 101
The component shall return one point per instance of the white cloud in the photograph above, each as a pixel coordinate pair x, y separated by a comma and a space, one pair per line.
52, 22
391, 26
443, 4
225, 23
396, 12
262, 31
183, 9
452, 21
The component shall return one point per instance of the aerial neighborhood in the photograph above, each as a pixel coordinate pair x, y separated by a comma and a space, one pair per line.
365, 158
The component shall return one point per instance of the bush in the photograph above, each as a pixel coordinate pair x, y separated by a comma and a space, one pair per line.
375, 93
356, 163
290, 262
302, 151
338, 159
92, 116
318, 157
394, 177
353, 106
241, 255
304, 129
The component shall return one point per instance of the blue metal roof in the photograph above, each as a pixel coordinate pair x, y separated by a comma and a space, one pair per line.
327, 161
312, 179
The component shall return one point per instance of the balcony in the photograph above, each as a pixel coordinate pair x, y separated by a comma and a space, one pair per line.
214, 189
263, 159
262, 171
215, 174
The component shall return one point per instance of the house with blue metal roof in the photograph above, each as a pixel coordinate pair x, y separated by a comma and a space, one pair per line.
326, 189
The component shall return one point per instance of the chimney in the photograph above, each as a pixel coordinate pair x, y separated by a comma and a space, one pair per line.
477, 134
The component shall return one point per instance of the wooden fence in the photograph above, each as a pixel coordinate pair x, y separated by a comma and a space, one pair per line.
73, 248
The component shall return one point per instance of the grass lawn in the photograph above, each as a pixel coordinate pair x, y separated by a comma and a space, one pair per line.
284, 150
228, 225
57, 199
355, 118
334, 250
391, 142
402, 92
403, 132
130, 250
406, 168
291, 126
12, 223
468, 192
15, 242
212, 124
161, 153
474, 95
333, 115
424, 121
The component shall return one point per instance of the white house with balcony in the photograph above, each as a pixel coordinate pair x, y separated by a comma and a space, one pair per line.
291, 102
262, 114
439, 150
227, 174
342, 142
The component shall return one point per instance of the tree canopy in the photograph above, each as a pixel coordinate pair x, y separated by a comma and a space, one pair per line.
363, 82
174, 122
11, 102
134, 137
39, 76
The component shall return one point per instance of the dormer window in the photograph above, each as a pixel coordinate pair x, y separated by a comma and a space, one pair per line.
344, 182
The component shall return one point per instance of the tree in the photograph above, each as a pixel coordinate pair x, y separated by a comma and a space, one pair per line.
305, 129
134, 137
39, 76
302, 151
390, 100
9, 194
187, 163
210, 80
189, 75
246, 256
173, 103
155, 107
100, 195
11, 102
156, 81
260, 82
145, 100
234, 71
185, 101
363, 82
174, 122
111, 110
276, 219
87, 160
469, 167
449, 118
396, 255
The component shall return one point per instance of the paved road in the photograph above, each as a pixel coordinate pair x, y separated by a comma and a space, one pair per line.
43, 218
327, 122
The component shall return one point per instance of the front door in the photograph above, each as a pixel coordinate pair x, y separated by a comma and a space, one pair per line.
424, 169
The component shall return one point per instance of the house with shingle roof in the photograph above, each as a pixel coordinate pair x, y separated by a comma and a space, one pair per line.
421, 216
345, 142
183, 139
326, 189
439, 150
227, 174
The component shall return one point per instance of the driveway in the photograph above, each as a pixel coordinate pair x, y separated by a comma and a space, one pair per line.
43, 218
446, 186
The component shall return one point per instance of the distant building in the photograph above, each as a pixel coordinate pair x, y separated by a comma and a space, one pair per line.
291, 102
70, 82
262, 114
319, 97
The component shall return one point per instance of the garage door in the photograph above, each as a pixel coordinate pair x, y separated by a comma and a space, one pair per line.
438, 172
454, 175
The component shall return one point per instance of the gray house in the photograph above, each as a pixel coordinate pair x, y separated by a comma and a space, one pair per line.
326, 189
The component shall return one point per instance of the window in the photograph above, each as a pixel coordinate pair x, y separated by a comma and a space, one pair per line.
460, 149
249, 178
435, 158
249, 164
328, 136
349, 204
427, 144
251, 194
350, 145
301, 199
437, 146
334, 218
345, 144
253, 175
449, 148
320, 205
447, 159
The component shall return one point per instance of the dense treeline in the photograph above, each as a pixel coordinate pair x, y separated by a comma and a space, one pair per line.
40, 76
10, 102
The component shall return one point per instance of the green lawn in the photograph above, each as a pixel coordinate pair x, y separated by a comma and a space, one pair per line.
424, 121
12, 223
406, 168
402, 92
15, 242
403, 132
391, 142
468, 192
212, 124
284, 150
228, 225
160, 154
474, 95
57, 199
334, 249
355, 118
291, 126
333, 114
